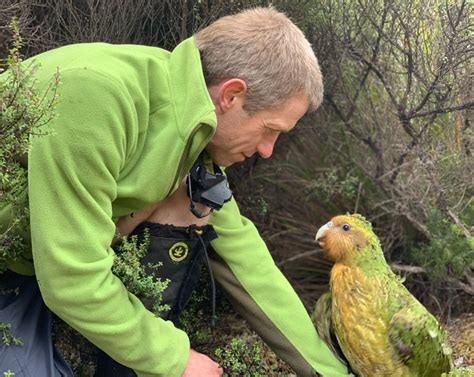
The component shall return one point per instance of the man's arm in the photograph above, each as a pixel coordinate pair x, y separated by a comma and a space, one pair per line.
261, 293
175, 210
72, 184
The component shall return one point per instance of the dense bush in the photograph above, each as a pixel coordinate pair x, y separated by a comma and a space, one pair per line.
448, 252
25, 110
128, 267
393, 140
239, 358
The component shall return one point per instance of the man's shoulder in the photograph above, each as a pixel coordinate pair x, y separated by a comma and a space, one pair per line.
99, 54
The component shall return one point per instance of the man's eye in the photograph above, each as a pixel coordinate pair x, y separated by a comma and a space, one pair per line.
346, 227
272, 130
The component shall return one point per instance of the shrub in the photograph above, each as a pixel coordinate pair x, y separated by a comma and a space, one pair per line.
448, 254
24, 112
240, 358
7, 337
129, 269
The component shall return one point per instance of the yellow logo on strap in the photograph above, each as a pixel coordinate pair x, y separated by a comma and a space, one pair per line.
178, 252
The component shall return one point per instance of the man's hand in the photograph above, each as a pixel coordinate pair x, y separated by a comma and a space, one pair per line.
200, 365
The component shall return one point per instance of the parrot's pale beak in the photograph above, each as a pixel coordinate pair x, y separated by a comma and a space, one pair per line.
321, 233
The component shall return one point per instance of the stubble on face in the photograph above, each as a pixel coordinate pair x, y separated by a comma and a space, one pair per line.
228, 140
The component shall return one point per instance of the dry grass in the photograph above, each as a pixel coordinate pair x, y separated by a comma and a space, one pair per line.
461, 337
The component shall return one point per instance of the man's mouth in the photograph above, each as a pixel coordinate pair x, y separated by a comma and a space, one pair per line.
243, 157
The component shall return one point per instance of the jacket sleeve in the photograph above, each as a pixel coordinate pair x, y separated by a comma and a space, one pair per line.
264, 297
72, 183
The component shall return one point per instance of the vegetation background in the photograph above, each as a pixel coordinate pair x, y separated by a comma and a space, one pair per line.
393, 140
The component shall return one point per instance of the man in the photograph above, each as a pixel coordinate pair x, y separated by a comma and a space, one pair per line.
131, 123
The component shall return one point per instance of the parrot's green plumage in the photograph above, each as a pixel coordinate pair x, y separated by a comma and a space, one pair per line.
380, 327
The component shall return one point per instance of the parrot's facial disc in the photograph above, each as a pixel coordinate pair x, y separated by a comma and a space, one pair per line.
322, 232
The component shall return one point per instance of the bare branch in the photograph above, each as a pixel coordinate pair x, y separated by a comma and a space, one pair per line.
406, 268
299, 256
464, 106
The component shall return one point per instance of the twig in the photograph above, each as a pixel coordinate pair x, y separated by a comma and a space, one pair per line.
356, 207
407, 268
459, 223
299, 256
468, 105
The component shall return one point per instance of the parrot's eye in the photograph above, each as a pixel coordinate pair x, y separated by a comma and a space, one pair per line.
346, 227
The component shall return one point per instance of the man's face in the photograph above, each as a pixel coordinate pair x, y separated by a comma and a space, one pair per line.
240, 135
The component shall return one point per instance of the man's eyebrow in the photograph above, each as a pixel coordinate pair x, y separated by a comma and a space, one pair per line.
277, 129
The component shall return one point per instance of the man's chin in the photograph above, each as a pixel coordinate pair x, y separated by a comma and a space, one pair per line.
226, 164
238, 160
229, 161
223, 163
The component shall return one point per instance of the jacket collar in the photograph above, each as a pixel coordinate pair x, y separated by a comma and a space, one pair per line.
193, 108
190, 97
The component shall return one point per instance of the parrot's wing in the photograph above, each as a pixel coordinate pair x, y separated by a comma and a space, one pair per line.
419, 340
322, 321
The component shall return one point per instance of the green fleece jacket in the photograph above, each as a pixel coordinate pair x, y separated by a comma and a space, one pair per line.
131, 120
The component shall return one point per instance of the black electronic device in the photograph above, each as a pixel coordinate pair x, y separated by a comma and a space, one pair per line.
210, 189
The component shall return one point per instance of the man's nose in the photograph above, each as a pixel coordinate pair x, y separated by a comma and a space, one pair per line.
265, 148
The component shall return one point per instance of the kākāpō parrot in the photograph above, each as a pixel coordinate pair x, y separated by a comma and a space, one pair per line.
369, 315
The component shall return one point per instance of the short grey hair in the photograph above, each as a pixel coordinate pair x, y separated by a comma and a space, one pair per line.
266, 49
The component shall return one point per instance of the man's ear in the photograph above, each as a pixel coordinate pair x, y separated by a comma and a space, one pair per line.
228, 93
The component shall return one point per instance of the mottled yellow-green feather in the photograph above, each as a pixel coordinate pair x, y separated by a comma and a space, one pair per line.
460, 372
361, 324
381, 328
322, 320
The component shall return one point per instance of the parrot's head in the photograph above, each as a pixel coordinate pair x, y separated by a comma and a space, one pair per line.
348, 237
